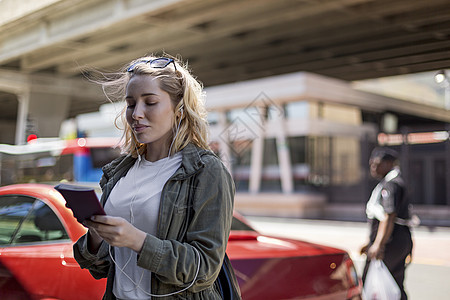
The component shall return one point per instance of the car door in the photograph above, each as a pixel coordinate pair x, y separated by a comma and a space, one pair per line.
35, 249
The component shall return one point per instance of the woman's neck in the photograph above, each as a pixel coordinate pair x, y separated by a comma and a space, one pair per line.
153, 154
157, 150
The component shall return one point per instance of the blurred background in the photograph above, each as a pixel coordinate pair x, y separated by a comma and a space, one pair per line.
298, 92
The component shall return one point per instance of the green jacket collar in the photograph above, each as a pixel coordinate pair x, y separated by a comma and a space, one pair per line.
191, 162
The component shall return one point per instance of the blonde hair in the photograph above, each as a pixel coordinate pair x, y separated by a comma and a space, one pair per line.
185, 92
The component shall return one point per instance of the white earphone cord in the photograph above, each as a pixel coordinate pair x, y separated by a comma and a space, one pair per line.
137, 285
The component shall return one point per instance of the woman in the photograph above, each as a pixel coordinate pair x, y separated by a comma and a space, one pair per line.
169, 199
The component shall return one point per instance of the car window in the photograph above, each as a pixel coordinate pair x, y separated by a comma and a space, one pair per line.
26, 220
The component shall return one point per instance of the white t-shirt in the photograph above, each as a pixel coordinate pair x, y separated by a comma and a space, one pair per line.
136, 198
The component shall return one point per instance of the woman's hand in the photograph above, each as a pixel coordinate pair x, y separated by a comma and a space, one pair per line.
116, 231
94, 241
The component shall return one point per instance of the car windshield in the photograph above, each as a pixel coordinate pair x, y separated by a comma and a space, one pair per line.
239, 225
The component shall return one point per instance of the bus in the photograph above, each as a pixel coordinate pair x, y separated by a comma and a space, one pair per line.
50, 160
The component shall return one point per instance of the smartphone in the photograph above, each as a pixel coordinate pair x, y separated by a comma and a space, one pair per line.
82, 200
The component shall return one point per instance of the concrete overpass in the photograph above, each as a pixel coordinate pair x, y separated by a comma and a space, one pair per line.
46, 44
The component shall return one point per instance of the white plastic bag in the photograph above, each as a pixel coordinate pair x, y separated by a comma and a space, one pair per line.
379, 283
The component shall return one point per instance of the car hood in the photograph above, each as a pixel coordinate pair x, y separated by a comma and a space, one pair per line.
247, 244
269, 267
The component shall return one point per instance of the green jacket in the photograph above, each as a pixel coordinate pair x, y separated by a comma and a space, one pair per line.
195, 212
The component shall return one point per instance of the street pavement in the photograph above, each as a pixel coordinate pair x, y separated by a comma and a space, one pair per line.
428, 276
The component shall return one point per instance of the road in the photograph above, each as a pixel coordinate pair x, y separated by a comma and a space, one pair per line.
428, 277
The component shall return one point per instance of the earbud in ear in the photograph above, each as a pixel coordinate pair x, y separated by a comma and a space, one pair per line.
136, 147
137, 151
180, 111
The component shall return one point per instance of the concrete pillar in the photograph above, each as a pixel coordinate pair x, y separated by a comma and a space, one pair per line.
284, 158
9, 122
48, 111
257, 155
22, 114
223, 144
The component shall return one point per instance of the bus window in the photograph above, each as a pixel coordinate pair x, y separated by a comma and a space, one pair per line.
51, 161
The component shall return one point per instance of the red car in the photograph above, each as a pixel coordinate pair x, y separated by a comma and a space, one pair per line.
37, 232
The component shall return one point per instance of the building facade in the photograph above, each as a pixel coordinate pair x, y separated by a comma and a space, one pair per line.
298, 146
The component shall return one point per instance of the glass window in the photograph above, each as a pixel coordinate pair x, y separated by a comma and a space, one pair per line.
275, 112
346, 159
318, 156
298, 110
270, 152
103, 155
297, 148
300, 165
271, 169
242, 124
13, 210
249, 116
440, 175
213, 117
241, 151
28, 220
35, 167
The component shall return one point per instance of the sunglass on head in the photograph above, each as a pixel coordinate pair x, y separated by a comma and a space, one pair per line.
157, 63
